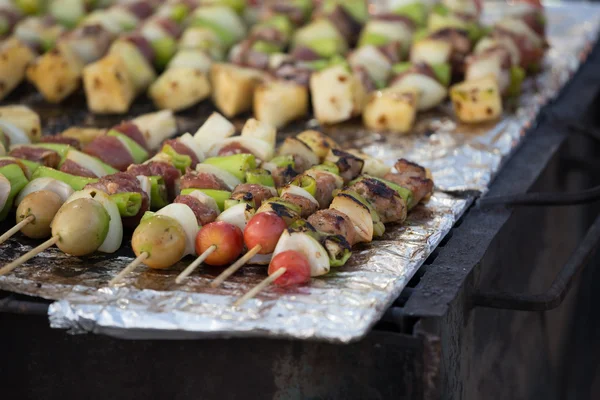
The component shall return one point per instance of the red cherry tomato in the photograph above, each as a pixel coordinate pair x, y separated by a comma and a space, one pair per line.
297, 268
264, 229
226, 237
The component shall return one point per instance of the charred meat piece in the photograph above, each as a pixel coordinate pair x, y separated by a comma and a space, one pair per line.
326, 184
349, 165
307, 207
421, 188
283, 175
204, 214
334, 222
385, 200
252, 192
408, 168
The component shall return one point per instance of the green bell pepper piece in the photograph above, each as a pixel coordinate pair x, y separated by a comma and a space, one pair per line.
30, 166
164, 49
260, 176
129, 203
401, 67
179, 12
517, 75
17, 179
236, 164
220, 196
158, 193
416, 11
76, 182
443, 73
180, 161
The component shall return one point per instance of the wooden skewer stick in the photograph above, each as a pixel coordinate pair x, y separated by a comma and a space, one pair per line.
9, 233
129, 268
235, 266
29, 255
256, 289
192, 267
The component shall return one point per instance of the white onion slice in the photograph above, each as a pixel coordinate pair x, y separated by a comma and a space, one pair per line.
229, 179
431, 91
156, 127
187, 219
256, 129
301, 242
190, 143
87, 162
14, 133
4, 191
205, 199
214, 130
53, 185
237, 215
146, 185
298, 191
114, 237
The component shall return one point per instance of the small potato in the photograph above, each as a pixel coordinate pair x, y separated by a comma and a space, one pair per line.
162, 238
81, 225
43, 206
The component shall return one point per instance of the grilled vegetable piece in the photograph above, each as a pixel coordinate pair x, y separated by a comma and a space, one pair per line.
105, 234
280, 102
56, 74
318, 142
431, 51
477, 100
21, 124
14, 57
82, 225
308, 246
162, 238
108, 88
179, 88
233, 88
264, 229
43, 206
393, 109
337, 95
227, 238
297, 267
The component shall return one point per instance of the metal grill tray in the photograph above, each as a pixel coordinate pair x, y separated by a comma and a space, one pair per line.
339, 307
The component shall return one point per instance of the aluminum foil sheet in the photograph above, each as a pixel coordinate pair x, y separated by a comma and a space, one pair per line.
343, 305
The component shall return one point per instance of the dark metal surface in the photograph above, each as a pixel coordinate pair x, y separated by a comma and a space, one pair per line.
554, 296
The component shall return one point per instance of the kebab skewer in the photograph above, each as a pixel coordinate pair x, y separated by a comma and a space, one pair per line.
37, 35
210, 33
351, 218
499, 64
217, 20
94, 204
57, 74
39, 200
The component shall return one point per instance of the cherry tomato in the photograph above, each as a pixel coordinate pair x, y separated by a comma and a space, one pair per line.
264, 229
297, 268
228, 239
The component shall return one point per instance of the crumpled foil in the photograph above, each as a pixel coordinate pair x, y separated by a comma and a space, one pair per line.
338, 307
